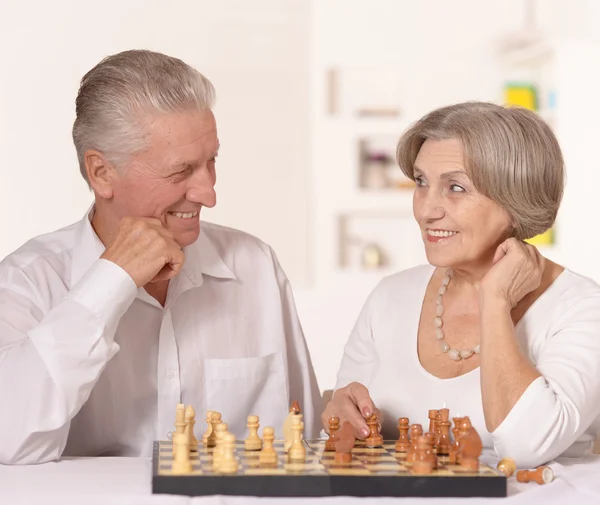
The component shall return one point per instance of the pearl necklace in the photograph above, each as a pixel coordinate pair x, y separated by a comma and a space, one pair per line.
453, 354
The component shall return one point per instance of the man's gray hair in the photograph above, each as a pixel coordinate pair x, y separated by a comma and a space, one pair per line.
122, 91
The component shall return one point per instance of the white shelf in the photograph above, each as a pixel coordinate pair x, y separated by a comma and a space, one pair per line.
376, 201
368, 125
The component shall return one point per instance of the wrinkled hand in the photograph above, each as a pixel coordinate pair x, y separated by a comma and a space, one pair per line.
517, 270
353, 404
146, 250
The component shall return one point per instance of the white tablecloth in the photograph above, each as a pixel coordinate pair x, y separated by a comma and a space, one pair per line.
127, 481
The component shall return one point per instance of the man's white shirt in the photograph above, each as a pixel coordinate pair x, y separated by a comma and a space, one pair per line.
91, 365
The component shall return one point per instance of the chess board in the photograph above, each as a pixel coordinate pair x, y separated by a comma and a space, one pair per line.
373, 472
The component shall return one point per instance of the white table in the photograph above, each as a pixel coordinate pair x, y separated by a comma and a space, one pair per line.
126, 481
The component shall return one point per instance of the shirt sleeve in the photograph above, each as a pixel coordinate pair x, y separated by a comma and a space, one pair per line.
303, 384
49, 362
360, 359
558, 407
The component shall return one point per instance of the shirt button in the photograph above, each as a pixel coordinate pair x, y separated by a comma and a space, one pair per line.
169, 435
170, 374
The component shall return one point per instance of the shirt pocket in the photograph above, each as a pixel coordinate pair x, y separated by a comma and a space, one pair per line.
241, 387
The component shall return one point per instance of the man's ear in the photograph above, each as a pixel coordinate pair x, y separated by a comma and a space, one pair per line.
101, 173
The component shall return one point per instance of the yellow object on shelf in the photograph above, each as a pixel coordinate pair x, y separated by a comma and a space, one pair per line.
546, 238
521, 94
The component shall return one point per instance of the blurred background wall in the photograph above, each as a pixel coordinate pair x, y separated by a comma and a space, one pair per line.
312, 96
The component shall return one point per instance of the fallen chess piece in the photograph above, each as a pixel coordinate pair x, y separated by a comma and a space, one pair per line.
344, 444
507, 466
541, 475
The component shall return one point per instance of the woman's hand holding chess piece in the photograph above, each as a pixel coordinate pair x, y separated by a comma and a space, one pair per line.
352, 403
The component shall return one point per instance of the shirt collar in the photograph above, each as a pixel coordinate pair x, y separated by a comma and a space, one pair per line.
201, 257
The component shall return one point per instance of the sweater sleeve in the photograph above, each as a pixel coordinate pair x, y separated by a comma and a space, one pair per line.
558, 407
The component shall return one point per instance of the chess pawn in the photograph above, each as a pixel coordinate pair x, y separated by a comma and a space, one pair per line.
297, 450
344, 445
253, 442
220, 431
541, 475
181, 462
470, 446
374, 439
403, 443
228, 463
179, 424
215, 419
423, 464
334, 426
208, 431
431, 454
268, 455
190, 422
416, 431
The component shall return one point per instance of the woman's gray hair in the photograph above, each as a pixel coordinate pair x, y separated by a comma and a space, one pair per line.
511, 156
118, 95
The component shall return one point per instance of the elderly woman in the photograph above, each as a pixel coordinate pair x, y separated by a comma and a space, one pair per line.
490, 328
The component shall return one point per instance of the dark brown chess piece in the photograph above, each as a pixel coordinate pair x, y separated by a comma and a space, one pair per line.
469, 447
416, 430
423, 463
444, 444
452, 456
334, 425
344, 444
295, 407
541, 475
403, 442
432, 420
374, 439
432, 454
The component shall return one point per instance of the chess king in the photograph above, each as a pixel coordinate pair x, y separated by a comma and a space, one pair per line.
489, 326
107, 324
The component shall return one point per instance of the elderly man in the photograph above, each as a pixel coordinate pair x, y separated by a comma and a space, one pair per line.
109, 323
